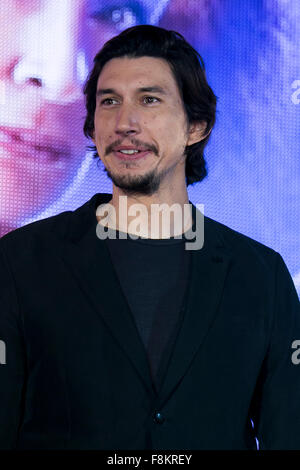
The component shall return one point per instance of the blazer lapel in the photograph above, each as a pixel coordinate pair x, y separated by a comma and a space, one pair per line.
81, 251
209, 267
100, 284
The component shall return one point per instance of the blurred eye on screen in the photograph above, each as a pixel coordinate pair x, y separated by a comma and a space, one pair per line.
122, 14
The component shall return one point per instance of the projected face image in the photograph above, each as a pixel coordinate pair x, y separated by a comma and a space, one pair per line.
44, 51
41, 103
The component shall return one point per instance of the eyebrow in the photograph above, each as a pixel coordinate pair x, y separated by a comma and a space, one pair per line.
148, 89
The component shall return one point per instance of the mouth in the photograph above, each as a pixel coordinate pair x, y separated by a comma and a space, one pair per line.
131, 154
29, 145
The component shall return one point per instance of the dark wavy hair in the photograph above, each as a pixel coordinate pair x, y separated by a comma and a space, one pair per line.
188, 68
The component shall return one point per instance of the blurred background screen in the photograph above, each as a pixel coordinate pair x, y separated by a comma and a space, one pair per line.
251, 51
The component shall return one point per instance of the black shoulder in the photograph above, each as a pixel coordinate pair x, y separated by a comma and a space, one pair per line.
23, 235
238, 243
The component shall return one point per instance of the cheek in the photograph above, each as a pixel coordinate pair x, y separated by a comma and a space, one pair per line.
102, 138
97, 129
173, 132
102, 124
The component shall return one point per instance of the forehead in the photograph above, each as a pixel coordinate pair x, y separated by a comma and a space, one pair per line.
136, 72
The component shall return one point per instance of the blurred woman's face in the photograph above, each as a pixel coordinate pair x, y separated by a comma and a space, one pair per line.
44, 50
41, 103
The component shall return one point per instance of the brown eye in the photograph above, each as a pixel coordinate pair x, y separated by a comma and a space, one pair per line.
107, 100
151, 98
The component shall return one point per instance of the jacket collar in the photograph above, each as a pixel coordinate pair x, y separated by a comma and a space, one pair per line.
77, 245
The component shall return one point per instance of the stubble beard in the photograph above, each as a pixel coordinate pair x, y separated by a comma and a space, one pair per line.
146, 184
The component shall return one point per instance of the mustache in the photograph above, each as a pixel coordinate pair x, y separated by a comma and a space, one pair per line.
133, 142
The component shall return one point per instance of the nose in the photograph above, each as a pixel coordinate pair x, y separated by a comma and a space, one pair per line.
127, 120
51, 56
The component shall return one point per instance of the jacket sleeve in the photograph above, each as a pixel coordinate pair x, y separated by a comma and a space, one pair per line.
276, 416
12, 359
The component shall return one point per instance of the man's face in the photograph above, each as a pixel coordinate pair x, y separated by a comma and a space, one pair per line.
138, 105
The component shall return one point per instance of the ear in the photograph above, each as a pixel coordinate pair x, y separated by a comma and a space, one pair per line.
196, 132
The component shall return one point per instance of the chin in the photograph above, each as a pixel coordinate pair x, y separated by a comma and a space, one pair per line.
147, 183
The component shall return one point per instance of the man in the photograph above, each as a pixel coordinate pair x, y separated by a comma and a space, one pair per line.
117, 337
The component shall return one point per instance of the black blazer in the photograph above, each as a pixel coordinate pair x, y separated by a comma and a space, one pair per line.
76, 374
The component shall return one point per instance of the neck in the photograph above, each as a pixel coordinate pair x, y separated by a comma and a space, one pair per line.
164, 214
